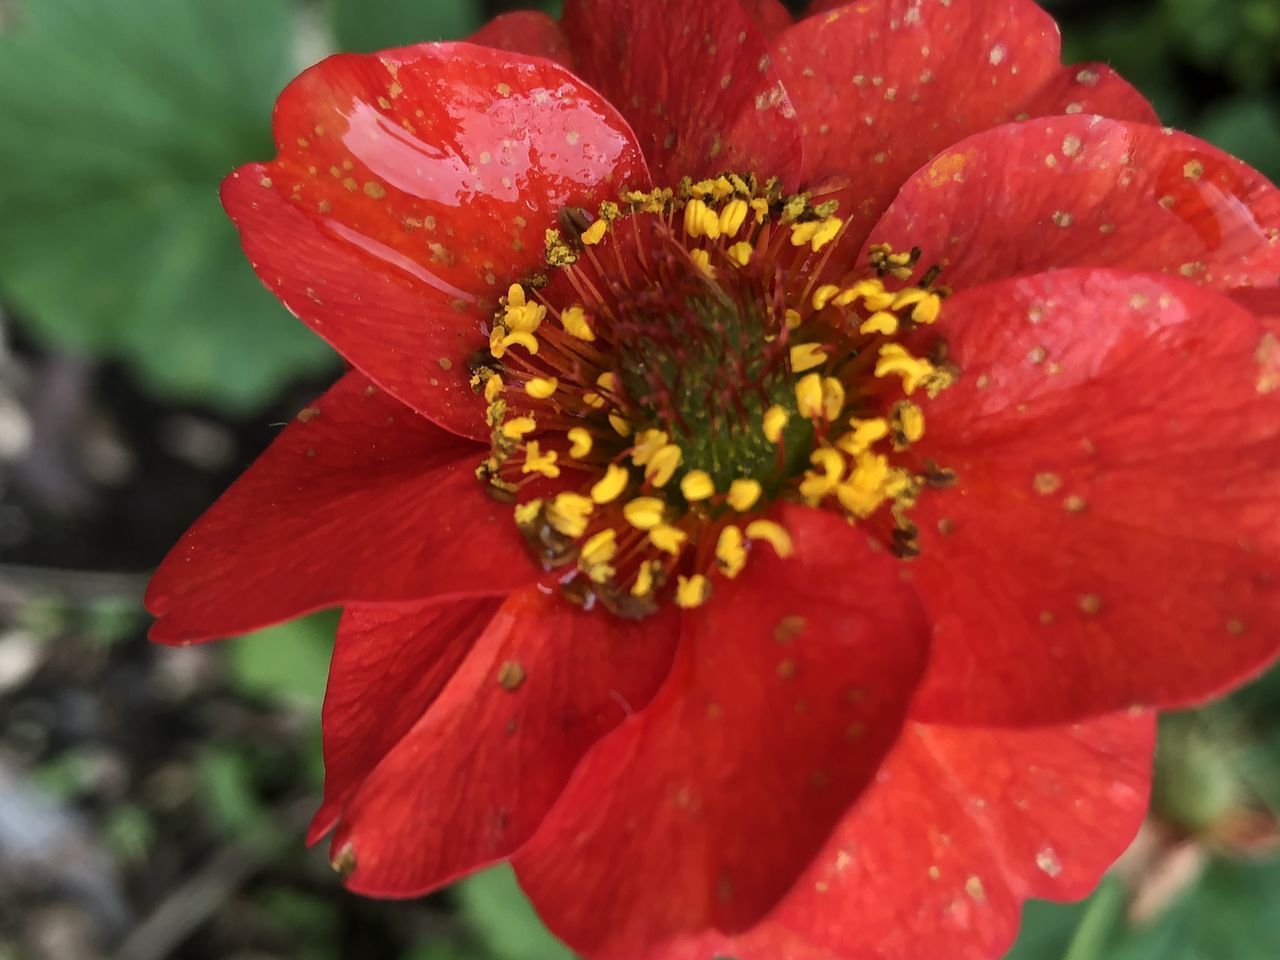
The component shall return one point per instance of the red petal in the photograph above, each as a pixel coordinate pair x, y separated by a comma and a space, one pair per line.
1112, 539
702, 810
881, 87
529, 32
962, 826
390, 663
771, 17
1090, 88
1083, 191
359, 500
411, 188
1263, 302
694, 80
474, 777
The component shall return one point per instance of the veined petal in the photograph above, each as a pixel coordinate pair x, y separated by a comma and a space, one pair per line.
410, 189
1089, 88
695, 81
472, 779
390, 663
788, 690
360, 499
1112, 536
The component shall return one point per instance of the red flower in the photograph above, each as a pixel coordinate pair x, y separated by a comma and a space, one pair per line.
871, 482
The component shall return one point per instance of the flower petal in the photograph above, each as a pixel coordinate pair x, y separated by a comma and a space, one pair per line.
358, 500
474, 777
1112, 539
530, 32
882, 86
1090, 88
390, 662
1084, 191
695, 81
788, 690
411, 187
771, 17
962, 826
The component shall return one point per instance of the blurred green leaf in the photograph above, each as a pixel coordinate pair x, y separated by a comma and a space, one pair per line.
226, 788
129, 833
288, 662
365, 25
117, 122
504, 920
1248, 128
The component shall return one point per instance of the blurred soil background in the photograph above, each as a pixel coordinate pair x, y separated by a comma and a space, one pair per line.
153, 801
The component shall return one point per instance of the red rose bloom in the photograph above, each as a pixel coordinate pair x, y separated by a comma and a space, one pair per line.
783, 465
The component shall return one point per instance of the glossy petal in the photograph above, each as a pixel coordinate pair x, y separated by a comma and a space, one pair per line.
1083, 191
789, 688
359, 499
529, 32
1089, 88
474, 777
410, 189
962, 826
1112, 539
882, 86
390, 662
695, 81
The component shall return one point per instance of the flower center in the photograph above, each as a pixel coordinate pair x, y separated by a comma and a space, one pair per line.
693, 355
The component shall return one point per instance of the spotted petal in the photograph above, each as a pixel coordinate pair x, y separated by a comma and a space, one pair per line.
1112, 539
788, 689
359, 499
1084, 191
410, 188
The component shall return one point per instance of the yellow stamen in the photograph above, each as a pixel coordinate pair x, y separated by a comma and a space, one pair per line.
863, 435
568, 513
832, 397
600, 547
732, 217
621, 425
692, 591
697, 485
581, 441
816, 233
792, 319
775, 421
817, 485
662, 466
806, 356
824, 295
574, 320
915, 372
667, 538
743, 494
701, 221
702, 260
731, 554
740, 253
648, 442
881, 322
609, 487
644, 513
527, 513
909, 420
517, 339
492, 388
643, 585
535, 461
863, 288
774, 534
595, 233
517, 427
809, 396
541, 387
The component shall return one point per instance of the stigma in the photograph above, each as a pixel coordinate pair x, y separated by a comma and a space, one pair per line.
692, 356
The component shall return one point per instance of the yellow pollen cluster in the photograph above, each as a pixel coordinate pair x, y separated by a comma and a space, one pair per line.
606, 477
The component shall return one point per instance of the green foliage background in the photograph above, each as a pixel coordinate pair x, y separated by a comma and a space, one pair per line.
117, 121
